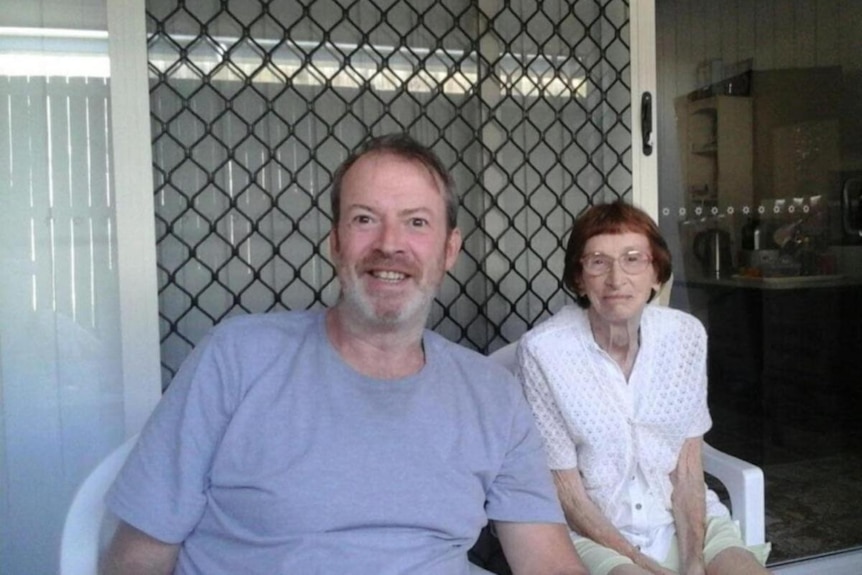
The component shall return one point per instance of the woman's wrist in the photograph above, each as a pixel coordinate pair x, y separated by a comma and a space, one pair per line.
644, 561
694, 566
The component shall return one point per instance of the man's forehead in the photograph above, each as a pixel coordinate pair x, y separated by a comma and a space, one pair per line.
381, 159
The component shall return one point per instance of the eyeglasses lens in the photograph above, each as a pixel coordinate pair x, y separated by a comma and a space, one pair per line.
630, 262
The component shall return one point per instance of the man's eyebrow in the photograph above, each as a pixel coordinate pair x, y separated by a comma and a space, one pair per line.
414, 211
359, 207
404, 212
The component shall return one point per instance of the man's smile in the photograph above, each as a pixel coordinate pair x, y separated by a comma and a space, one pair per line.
388, 275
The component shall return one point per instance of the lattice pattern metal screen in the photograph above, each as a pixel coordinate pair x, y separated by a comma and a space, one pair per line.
255, 103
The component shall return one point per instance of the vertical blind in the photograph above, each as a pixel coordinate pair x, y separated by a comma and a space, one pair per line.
61, 388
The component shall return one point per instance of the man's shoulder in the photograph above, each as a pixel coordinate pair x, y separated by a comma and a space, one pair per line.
467, 360
267, 324
453, 349
263, 334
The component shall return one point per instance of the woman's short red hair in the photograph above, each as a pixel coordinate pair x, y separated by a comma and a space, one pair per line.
614, 218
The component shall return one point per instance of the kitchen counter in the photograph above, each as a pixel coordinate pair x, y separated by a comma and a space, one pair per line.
773, 283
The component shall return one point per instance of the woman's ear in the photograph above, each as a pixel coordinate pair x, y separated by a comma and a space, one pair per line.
579, 287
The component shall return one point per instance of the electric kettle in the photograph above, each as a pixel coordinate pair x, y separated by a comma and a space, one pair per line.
712, 249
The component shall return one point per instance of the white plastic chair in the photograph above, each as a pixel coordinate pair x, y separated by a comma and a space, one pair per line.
85, 527
744, 484
743, 480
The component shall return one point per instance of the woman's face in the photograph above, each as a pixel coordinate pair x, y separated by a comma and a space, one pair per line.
615, 277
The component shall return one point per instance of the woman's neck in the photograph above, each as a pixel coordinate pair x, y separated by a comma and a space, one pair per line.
621, 340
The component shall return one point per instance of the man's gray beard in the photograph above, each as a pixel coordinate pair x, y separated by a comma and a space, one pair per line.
418, 307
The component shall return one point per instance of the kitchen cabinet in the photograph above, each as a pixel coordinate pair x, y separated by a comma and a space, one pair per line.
716, 143
811, 345
786, 355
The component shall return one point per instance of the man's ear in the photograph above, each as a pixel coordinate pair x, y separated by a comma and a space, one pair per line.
334, 246
453, 247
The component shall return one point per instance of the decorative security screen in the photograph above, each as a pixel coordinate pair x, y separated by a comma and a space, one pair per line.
255, 103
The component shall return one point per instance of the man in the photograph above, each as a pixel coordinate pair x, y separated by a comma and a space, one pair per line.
351, 440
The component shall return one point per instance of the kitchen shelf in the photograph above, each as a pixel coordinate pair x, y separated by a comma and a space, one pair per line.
706, 150
717, 145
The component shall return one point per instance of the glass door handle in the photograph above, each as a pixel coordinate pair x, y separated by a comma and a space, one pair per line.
646, 122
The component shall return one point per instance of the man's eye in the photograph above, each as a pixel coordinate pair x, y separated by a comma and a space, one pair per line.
418, 222
362, 219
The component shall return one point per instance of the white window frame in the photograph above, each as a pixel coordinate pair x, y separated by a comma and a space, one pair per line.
643, 79
136, 230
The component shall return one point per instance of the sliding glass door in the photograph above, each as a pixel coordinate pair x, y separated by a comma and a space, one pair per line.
760, 126
254, 105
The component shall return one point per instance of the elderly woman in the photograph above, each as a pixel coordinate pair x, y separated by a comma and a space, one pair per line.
618, 389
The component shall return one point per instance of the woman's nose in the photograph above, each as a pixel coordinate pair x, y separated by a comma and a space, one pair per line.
615, 274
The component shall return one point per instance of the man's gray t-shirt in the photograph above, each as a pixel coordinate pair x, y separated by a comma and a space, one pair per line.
268, 454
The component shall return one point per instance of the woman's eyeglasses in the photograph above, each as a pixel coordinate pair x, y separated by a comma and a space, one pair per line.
632, 262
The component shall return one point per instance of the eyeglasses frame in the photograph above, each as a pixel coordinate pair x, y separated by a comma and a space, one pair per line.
619, 259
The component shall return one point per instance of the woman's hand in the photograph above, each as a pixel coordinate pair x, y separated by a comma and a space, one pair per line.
586, 519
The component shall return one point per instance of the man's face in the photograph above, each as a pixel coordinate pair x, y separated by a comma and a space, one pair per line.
391, 247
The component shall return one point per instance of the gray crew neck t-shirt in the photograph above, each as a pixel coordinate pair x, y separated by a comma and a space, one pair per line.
268, 454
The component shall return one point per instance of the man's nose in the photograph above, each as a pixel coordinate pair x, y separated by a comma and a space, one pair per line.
391, 237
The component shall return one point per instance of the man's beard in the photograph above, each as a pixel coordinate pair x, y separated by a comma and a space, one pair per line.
374, 309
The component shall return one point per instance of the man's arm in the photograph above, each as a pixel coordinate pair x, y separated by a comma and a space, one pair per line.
133, 552
539, 549
688, 505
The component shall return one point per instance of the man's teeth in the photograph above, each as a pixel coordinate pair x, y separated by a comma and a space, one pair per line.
389, 276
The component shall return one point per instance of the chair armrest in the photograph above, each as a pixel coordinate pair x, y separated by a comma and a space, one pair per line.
83, 526
744, 483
